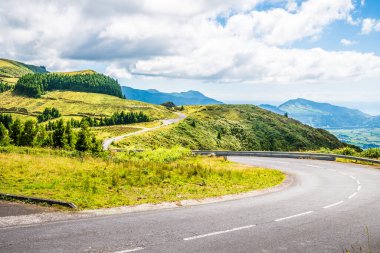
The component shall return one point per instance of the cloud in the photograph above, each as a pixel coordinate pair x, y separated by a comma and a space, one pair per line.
346, 42
183, 39
369, 25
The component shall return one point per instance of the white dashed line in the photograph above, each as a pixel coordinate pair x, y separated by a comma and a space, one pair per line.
314, 166
354, 178
293, 216
129, 250
359, 187
358, 182
335, 204
352, 195
218, 233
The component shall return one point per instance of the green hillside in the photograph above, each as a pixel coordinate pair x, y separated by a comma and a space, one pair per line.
11, 70
71, 103
236, 127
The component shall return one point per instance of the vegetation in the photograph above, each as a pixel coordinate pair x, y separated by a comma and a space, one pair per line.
362, 137
48, 114
34, 85
372, 153
235, 127
127, 178
81, 104
168, 104
30, 134
10, 70
4, 87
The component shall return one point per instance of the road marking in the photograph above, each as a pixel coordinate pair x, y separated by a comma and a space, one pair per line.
218, 233
354, 178
352, 195
314, 166
129, 250
293, 216
359, 187
358, 182
335, 204
344, 174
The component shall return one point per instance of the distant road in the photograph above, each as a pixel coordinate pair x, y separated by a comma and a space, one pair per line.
326, 209
165, 122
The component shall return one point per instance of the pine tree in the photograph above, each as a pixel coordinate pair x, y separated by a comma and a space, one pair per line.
84, 141
4, 135
15, 133
59, 137
69, 136
29, 133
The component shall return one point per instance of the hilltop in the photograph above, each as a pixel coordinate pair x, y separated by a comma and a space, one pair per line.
178, 98
236, 127
11, 70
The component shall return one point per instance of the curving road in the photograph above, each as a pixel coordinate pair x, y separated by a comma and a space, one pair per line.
107, 142
326, 209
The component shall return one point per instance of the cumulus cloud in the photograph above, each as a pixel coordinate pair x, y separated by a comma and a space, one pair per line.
369, 25
347, 42
184, 39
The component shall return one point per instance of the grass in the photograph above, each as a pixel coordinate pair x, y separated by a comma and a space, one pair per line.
102, 133
10, 70
234, 127
362, 137
80, 103
126, 178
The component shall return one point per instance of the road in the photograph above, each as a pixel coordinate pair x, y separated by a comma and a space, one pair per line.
326, 209
165, 122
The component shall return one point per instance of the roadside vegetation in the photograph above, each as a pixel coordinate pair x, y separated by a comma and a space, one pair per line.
235, 127
372, 153
125, 178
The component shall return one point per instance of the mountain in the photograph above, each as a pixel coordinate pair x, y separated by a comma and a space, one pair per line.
178, 98
272, 108
11, 70
324, 115
236, 127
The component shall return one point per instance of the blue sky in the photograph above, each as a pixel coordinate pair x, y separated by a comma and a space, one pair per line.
240, 51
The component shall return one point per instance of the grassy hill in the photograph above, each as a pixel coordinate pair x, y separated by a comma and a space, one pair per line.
236, 127
11, 70
71, 103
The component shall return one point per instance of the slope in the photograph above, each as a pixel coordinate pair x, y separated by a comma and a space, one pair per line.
178, 98
235, 127
11, 70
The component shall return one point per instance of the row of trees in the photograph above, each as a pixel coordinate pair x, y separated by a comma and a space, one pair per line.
48, 114
118, 118
4, 87
32, 134
34, 85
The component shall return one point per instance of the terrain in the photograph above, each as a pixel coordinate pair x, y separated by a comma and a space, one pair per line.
235, 127
349, 125
11, 71
178, 98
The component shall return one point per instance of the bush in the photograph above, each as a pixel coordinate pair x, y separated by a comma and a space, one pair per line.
345, 151
373, 153
48, 114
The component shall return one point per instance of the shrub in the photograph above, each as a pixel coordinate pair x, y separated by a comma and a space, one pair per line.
371, 153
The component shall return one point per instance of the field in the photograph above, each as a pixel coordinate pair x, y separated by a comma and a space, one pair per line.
78, 104
234, 127
363, 137
10, 70
125, 178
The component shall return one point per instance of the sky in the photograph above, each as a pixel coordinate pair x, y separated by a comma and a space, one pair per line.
237, 51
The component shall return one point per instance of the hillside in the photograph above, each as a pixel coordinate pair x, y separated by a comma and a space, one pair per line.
235, 127
11, 70
178, 98
324, 115
71, 103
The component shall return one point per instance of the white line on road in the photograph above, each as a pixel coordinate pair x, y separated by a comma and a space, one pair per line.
359, 187
352, 195
129, 250
358, 182
354, 178
314, 166
293, 216
335, 204
218, 232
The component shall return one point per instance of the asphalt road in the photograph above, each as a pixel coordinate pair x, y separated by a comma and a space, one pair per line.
326, 209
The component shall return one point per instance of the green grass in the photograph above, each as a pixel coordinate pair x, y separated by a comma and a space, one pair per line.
126, 179
71, 103
235, 127
102, 133
10, 70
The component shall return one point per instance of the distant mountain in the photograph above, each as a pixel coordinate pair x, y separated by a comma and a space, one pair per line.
272, 108
324, 115
11, 70
179, 98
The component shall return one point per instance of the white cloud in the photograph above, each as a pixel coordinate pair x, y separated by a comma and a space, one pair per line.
183, 39
347, 42
369, 25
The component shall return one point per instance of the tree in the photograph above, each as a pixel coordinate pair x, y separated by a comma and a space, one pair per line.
168, 104
286, 115
4, 135
84, 140
15, 132
29, 133
59, 137
69, 136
